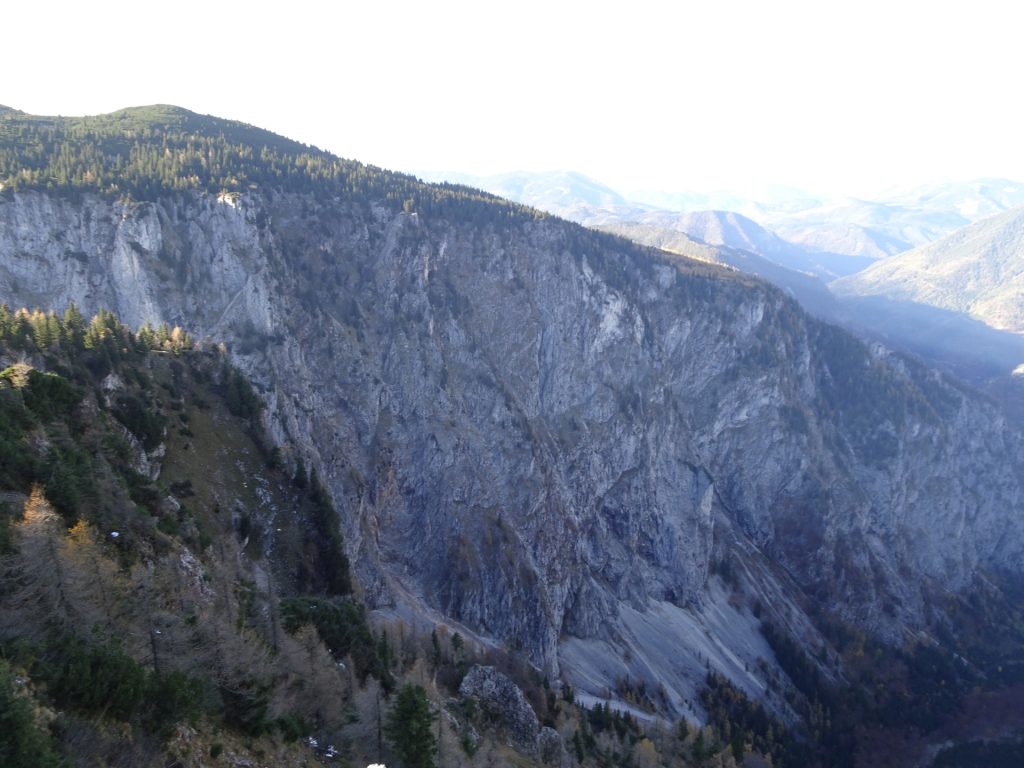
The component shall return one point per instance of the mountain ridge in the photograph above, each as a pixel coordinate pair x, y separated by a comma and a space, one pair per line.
737, 231
976, 270
558, 438
255, 311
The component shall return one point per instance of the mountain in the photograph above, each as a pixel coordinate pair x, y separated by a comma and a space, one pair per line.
820, 231
686, 201
656, 480
900, 221
570, 195
833, 233
737, 231
977, 270
865, 228
973, 200
811, 292
173, 588
139, 504
586, 201
955, 302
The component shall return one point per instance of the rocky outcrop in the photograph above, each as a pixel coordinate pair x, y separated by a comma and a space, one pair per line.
503, 703
551, 748
549, 434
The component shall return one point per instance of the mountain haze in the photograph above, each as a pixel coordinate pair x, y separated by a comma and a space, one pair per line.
898, 221
567, 194
737, 231
975, 199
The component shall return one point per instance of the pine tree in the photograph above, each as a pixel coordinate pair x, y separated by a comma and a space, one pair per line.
73, 336
409, 729
147, 336
22, 742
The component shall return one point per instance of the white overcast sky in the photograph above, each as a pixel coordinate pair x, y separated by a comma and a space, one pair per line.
838, 97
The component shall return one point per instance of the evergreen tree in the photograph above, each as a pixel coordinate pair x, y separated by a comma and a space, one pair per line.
408, 728
577, 745
22, 743
334, 561
73, 335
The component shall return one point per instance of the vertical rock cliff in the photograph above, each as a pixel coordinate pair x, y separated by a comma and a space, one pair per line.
550, 435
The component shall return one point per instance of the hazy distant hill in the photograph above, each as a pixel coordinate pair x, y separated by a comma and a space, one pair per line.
866, 227
897, 222
567, 194
972, 199
978, 270
844, 237
737, 231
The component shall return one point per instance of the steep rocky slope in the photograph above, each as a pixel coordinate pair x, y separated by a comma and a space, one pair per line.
174, 591
149, 548
547, 434
621, 462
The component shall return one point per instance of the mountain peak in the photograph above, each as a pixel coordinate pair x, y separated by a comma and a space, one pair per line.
158, 118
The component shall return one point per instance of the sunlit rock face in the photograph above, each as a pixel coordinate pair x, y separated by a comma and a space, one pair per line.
548, 435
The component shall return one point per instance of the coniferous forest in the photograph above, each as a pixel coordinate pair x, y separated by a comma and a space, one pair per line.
145, 152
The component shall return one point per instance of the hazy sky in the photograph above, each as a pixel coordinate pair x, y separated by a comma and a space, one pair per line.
841, 97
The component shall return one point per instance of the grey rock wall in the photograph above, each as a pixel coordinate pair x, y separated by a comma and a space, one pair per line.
548, 435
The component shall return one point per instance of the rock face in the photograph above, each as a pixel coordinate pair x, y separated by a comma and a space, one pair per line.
548, 434
503, 702
551, 747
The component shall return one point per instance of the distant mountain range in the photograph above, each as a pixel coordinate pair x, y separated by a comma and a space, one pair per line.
570, 195
897, 223
977, 270
973, 199
578, 198
862, 227
871, 229
734, 230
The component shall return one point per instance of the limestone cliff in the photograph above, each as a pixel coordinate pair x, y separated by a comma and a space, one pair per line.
549, 435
